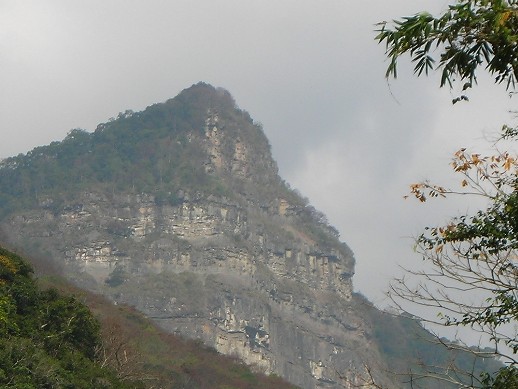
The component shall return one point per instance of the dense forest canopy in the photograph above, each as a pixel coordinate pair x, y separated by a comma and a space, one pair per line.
145, 151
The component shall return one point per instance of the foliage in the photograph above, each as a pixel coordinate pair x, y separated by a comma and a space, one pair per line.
153, 151
46, 340
506, 378
117, 276
470, 34
474, 253
471, 276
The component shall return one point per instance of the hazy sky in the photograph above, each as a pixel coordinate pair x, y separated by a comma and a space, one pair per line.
309, 71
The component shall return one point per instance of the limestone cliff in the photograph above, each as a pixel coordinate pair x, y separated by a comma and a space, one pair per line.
187, 220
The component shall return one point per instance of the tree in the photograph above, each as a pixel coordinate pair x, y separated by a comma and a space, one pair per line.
472, 262
470, 34
48, 340
473, 278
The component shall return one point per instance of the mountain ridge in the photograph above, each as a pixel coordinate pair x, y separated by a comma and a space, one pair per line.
179, 211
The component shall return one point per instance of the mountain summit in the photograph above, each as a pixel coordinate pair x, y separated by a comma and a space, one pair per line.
179, 211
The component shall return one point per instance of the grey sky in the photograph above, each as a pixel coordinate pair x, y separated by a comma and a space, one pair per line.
310, 71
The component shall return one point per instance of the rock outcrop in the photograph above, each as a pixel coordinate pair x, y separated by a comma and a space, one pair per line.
247, 266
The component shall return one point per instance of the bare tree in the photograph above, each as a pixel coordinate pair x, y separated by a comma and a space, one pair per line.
471, 264
470, 277
117, 352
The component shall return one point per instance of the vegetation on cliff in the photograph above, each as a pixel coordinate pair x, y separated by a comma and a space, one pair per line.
148, 151
127, 203
163, 151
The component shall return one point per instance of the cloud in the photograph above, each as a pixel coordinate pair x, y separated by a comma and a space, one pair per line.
309, 70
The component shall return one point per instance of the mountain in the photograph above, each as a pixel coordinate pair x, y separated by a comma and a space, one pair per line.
179, 211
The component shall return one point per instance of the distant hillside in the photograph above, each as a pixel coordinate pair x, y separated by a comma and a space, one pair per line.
179, 212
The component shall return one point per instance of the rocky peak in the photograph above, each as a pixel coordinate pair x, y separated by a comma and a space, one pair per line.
179, 211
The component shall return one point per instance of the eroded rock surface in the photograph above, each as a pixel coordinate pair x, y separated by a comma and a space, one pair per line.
252, 269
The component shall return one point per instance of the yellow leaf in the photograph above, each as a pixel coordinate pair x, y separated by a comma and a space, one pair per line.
503, 17
509, 161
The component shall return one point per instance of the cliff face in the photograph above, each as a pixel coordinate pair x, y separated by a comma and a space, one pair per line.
239, 261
